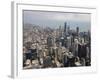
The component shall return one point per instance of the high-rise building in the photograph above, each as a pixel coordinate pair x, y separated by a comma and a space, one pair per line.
62, 41
49, 41
69, 41
60, 31
65, 27
77, 30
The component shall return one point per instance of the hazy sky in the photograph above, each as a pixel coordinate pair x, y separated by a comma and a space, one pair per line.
56, 19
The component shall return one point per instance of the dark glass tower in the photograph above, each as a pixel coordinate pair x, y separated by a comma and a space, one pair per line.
77, 30
65, 26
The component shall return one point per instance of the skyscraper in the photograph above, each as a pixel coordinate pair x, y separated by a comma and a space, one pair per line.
65, 25
77, 30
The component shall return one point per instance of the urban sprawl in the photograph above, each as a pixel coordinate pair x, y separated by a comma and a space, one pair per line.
45, 47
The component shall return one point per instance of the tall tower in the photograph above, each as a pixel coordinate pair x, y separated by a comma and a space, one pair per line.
59, 31
65, 25
77, 30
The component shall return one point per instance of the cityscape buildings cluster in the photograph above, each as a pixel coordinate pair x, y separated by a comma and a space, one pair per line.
45, 47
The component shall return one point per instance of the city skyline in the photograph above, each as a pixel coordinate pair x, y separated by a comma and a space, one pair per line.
56, 39
56, 19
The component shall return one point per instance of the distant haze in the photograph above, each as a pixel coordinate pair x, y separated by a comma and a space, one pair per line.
56, 19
